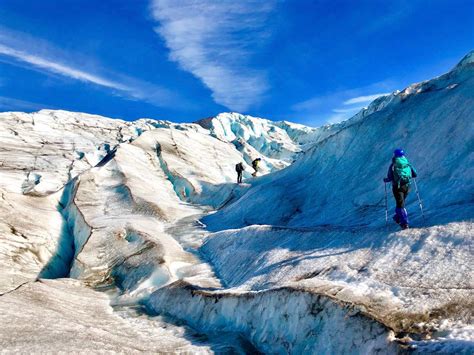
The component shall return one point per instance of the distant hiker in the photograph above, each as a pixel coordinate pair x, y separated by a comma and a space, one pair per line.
255, 166
239, 168
400, 174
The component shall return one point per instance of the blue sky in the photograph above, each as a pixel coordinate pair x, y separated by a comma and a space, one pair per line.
311, 62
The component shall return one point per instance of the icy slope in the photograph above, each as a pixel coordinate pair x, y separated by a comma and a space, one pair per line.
432, 121
66, 316
320, 223
30, 230
41, 152
128, 220
411, 281
120, 211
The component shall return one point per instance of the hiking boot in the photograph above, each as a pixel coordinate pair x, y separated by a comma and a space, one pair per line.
404, 226
402, 216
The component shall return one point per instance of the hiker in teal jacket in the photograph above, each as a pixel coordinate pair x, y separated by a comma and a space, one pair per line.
400, 174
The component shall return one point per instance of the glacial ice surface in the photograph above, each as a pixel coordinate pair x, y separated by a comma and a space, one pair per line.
297, 260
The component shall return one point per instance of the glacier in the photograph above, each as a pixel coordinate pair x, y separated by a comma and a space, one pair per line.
124, 236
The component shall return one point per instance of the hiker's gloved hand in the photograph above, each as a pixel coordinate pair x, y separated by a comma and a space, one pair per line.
386, 180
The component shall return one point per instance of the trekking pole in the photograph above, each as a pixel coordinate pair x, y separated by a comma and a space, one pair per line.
386, 204
419, 200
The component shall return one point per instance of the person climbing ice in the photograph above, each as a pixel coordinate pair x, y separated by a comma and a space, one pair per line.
239, 168
400, 173
255, 166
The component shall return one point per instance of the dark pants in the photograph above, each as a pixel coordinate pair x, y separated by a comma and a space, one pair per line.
400, 194
239, 177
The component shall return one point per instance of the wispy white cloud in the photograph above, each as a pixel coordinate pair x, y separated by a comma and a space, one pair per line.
59, 68
21, 49
362, 99
214, 40
340, 105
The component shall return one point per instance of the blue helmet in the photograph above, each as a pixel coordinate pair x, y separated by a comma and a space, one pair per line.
398, 153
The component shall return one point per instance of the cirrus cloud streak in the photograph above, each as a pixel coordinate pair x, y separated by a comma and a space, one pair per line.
215, 40
23, 50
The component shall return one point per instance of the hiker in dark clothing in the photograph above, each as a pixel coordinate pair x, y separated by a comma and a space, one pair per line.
400, 174
255, 166
239, 168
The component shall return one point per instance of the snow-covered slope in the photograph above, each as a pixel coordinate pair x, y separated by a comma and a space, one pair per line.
342, 175
59, 316
106, 202
41, 151
299, 257
320, 222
